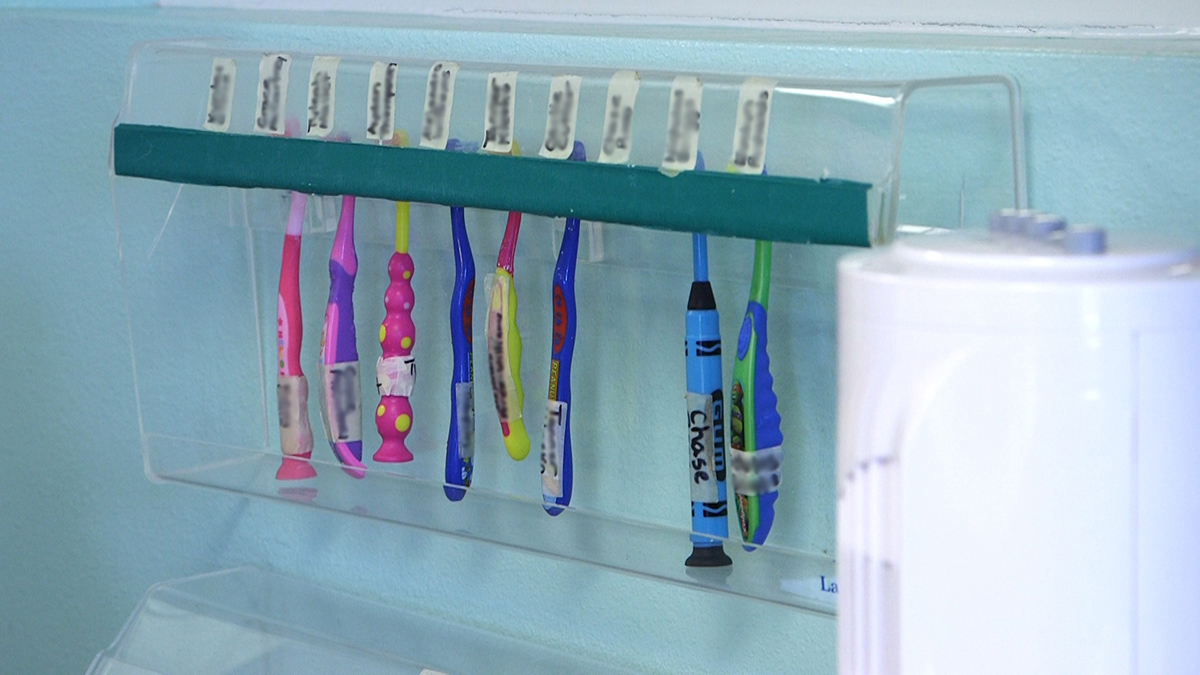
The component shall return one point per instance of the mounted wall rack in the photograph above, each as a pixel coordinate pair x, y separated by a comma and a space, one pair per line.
201, 242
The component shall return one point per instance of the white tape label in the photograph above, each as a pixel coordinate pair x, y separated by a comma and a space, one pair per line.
381, 101
702, 455
464, 412
322, 89
342, 405
753, 121
498, 120
683, 126
618, 117
553, 436
439, 100
561, 113
271, 112
756, 473
220, 95
503, 385
295, 436
395, 375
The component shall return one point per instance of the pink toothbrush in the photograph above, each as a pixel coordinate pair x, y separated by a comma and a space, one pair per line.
396, 370
342, 409
295, 434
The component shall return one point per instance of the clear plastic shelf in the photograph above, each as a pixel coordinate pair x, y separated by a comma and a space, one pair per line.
769, 573
248, 621
201, 266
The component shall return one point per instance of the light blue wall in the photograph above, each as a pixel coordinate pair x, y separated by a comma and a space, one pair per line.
82, 533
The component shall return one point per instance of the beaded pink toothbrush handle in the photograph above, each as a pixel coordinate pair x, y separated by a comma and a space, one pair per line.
396, 370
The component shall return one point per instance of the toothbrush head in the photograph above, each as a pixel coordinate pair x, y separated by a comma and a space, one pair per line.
455, 145
399, 139
578, 153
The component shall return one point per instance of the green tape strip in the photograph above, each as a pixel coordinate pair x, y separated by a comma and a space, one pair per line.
776, 208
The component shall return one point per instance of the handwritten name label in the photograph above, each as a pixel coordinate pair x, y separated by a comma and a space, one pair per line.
503, 385
561, 113
272, 94
439, 101
757, 473
553, 434
395, 375
220, 95
322, 88
291, 392
618, 117
753, 121
498, 120
343, 401
700, 441
381, 101
683, 125
464, 412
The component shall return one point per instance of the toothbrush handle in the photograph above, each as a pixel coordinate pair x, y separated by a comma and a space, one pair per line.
504, 347
460, 445
295, 433
339, 353
396, 371
706, 429
757, 470
557, 470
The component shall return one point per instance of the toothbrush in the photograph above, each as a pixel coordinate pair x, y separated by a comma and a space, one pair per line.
395, 371
706, 414
460, 445
295, 434
556, 441
504, 344
756, 440
291, 387
342, 409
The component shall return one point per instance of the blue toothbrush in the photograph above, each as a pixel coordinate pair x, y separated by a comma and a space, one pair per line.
756, 438
556, 441
706, 415
460, 445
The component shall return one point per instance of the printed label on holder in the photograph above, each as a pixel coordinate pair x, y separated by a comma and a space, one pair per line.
753, 121
322, 89
683, 126
342, 402
271, 112
498, 120
553, 436
618, 117
756, 473
700, 440
220, 95
439, 100
395, 375
464, 413
381, 101
561, 113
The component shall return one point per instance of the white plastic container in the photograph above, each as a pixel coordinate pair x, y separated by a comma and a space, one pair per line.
1018, 446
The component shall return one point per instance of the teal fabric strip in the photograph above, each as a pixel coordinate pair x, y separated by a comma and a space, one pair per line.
775, 208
